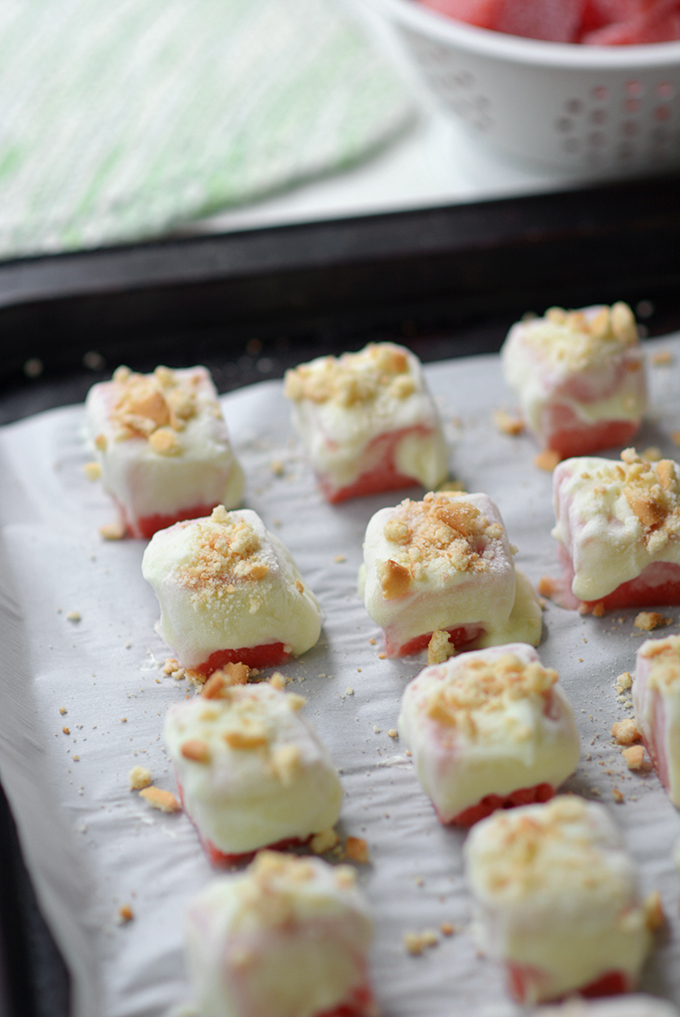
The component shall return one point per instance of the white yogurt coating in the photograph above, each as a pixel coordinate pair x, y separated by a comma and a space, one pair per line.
251, 770
225, 582
286, 938
341, 405
422, 574
616, 518
621, 1006
588, 361
487, 722
656, 695
162, 443
556, 892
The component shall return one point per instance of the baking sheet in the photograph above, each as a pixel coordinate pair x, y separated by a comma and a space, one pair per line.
92, 845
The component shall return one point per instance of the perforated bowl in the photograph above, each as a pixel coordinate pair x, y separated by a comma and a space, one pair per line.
590, 109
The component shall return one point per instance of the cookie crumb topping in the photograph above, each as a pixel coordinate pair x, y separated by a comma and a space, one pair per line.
154, 406
269, 893
579, 340
228, 551
487, 687
353, 378
444, 527
521, 859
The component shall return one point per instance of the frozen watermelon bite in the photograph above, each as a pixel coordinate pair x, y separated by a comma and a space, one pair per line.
487, 730
162, 447
367, 422
251, 772
618, 528
579, 377
445, 564
656, 695
229, 592
557, 900
288, 937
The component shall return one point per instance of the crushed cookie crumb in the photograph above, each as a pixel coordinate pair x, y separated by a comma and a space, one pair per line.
647, 621
276, 466
446, 929
139, 777
440, 647
392, 732
349, 691
625, 732
417, 942
125, 914
74, 616
624, 680
508, 424
62, 710
324, 841
356, 848
547, 460
651, 454
112, 531
617, 796
164, 801
66, 730
340, 558
634, 757
547, 586
662, 358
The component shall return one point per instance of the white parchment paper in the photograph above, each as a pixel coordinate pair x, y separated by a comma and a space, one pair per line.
92, 845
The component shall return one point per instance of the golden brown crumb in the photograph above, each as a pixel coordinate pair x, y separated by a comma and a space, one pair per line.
508, 424
625, 732
662, 358
324, 841
416, 942
440, 647
547, 586
651, 454
446, 929
547, 460
112, 531
655, 919
196, 750
634, 757
170, 665
125, 914
276, 466
66, 730
277, 681
62, 710
139, 777
392, 732
230, 674
73, 616
395, 579
650, 620
164, 441
356, 848
624, 680
354, 377
164, 801
617, 796
93, 471
598, 609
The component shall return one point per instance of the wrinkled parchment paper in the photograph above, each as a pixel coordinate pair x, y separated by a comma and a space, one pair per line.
84, 701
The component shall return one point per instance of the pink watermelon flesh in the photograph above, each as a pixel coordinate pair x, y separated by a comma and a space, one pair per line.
593, 22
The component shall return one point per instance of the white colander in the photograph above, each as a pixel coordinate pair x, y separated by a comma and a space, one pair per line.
591, 109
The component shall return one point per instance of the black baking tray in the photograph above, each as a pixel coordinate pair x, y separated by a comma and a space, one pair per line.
445, 281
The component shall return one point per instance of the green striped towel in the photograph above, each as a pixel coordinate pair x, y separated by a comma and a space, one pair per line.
120, 121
